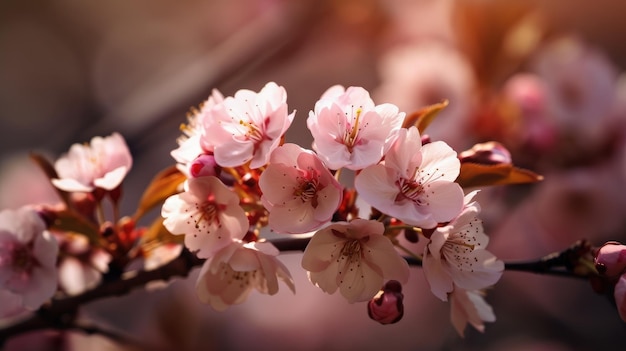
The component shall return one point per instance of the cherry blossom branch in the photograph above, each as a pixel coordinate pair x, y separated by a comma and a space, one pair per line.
575, 261
61, 314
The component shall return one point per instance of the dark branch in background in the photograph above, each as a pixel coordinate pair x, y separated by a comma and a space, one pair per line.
273, 34
61, 314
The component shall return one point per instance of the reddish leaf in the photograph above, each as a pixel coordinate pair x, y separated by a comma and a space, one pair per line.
158, 233
422, 118
71, 221
476, 175
162, 186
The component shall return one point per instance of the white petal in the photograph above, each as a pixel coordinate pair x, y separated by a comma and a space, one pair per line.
405, 155
445, 200
485, 271
379, 252
359, 282
318, 254
112, 179
278, 183
71, 185
441, 157
438, 278
376, 185
43, 284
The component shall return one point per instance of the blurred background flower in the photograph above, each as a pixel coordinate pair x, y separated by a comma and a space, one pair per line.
543, 78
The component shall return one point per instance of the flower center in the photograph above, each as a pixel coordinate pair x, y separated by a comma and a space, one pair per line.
412, 190
238, 278
22, 259
307, 191
253, 132
352, 132
351, 250
207, 213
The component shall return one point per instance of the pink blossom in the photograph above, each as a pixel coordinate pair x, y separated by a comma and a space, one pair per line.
229, 276
349, 130
416, 75
355, 258
28, 255
456, 255
415, 183
102, 164
192, 143
580, 86
620, 296
208, 213
298, 190
82, 265
469, 307
246, 127
528, 93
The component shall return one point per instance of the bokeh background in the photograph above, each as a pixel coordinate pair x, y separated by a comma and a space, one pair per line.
545, 78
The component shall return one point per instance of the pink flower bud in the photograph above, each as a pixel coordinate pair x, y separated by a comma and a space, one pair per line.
489, 153
386, 307
620, 296
204, 165
611, 259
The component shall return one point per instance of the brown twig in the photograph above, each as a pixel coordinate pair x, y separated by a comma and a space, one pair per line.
61, 313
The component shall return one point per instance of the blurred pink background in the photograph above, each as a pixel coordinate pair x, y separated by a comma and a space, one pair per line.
70, 70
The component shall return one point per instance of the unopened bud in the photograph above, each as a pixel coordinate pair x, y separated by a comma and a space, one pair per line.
489, 153
204, 165
611, 259
387, 307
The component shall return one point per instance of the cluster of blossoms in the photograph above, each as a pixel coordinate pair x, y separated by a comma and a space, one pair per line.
241, 177
237, 183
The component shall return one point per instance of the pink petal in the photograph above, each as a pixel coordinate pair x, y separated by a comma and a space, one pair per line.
112, 179
360, 283
376, 185
405, 155
485, 272
293, 217
437, 277
328, 200
445, 201
380, 252
43, 284
438, 155
278, 183
333, 92
317, 255
71, 185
